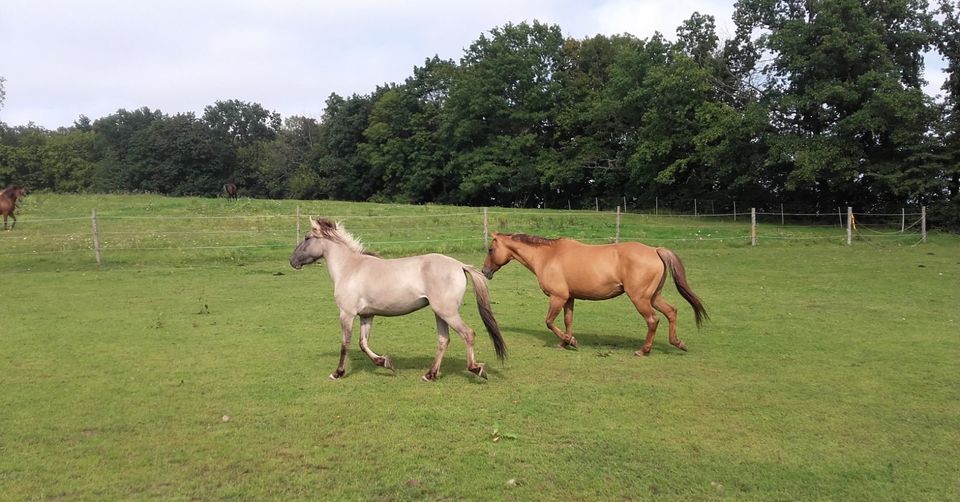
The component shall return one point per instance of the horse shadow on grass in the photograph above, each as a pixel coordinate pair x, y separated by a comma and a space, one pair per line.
452, 366
603, 343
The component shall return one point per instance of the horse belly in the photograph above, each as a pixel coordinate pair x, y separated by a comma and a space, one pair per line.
597, 292
391, 306
594, 283
392, 298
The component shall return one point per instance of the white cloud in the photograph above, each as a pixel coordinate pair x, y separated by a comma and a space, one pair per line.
66, 58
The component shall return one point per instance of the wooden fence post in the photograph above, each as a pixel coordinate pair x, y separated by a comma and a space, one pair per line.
849, 225
734, 210
656, 205
486, 243
695, 208
753, 226
597, 202
781, 214
923, 223
617, 238
96, 237
903, 219
297, 240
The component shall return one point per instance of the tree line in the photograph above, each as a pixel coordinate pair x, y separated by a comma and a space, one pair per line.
814, 103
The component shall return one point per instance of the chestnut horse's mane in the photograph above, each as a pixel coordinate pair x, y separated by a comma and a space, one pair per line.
7, 191
532, 240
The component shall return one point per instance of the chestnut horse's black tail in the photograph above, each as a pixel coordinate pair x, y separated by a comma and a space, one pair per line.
675, 266
486, 313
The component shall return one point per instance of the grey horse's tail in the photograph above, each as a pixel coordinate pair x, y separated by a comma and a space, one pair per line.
675, 266
483, 305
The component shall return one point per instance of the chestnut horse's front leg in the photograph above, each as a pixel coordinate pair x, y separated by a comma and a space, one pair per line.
346, 331
566, 304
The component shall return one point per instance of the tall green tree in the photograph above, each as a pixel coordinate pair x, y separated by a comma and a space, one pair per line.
502, 113
405, 140
282, 167
338, 170
177, 155
594, 119
246, 126
115, 133
843, 86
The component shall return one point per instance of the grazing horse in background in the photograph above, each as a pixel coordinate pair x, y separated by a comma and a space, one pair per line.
366, 285
567, 270
231, 190
8, 203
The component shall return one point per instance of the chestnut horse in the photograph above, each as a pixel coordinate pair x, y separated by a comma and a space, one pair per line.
231, 190
8, 203
567, 270
366, 285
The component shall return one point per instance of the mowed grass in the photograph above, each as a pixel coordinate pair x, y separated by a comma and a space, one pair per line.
194, 365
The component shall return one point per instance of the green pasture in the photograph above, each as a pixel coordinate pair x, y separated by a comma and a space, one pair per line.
193, 362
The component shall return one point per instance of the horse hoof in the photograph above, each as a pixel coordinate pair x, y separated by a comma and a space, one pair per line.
479, 371
429, 377
385, 362
642, 353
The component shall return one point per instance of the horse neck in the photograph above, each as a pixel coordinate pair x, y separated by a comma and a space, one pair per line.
529, 256
340, 259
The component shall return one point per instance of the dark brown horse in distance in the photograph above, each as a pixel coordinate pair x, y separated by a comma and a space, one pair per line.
8, 203
231, 190
567, 270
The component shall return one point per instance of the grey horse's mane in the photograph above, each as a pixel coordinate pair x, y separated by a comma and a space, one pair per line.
335, 231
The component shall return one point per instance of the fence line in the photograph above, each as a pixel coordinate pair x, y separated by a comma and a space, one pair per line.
77, 242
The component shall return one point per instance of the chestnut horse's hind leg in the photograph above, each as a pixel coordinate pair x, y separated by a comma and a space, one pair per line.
556, 304
346, 331
671, 312
366, 323
645, 308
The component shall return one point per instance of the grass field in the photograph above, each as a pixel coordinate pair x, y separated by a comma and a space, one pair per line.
193, 363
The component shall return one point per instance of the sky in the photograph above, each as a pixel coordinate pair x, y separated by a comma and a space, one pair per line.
62, 59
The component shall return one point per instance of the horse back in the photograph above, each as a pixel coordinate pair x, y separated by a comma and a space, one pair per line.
603, 271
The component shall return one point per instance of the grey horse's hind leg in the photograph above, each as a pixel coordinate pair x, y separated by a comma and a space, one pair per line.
468, 336
366, 324
443, 339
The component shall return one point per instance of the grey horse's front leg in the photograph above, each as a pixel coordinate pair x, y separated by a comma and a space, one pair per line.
366, 324
346, 331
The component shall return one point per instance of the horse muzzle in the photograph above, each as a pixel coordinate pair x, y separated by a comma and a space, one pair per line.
488, 272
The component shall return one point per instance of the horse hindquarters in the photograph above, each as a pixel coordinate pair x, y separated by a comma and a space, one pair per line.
447, 313
486, 313
672, 262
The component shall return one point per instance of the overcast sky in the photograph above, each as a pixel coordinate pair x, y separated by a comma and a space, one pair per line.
62, 59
